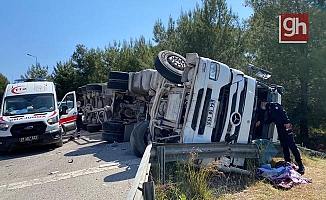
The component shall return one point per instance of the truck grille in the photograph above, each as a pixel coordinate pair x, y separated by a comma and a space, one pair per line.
242, 102
28, 129
222, 111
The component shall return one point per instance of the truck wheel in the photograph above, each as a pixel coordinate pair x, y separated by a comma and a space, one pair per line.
112, 137
80, 90
94, 86
118, 76
93, 127
170, 65
117, 85
133, 147
113, 127
138, 138
84, 126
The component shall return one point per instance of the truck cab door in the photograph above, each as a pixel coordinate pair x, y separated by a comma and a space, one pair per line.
68, 112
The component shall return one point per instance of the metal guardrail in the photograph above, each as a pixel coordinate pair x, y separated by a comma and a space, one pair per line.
313, 152
183, 151
162, 153
155, 153
142, 188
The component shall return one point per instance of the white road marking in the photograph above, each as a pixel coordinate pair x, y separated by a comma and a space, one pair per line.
58, 177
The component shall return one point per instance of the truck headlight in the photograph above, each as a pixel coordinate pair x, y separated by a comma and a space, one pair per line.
53, 120
4, 126
214, 71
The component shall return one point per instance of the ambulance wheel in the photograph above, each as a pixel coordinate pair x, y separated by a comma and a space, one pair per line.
138, 138
170, 65
94, 127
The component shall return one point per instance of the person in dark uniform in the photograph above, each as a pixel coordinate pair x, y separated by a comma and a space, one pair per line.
260, 113
277, 114
79, 121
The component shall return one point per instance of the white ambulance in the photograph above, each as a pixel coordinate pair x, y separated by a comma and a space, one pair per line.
31, 116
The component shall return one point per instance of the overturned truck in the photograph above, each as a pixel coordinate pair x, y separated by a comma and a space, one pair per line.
186, 100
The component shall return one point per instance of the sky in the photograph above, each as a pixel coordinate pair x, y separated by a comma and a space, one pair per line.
50, 30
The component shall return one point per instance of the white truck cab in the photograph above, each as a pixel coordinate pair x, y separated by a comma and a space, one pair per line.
30, 115
201, 100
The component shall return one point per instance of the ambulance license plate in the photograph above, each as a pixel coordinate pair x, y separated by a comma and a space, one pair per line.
28, 139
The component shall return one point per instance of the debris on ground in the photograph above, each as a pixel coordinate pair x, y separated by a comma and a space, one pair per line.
114, 144
54, 172
284, 175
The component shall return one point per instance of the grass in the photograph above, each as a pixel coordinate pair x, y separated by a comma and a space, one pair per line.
184, 181
191, 182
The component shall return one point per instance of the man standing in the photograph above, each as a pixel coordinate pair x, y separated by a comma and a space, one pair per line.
79, 121
277, 114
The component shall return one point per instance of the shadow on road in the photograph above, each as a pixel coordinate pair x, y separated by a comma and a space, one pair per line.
28, 151
117, 153
35, 150
129, 173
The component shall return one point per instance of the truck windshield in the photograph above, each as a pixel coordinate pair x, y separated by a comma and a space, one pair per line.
30, 103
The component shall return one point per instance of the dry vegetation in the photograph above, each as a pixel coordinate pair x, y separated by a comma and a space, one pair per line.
263, 190
189, 183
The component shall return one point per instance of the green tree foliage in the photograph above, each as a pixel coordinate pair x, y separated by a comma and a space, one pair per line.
37, 72
132, 56
3, 83
65, 78
211, 30
298, 67
84, 61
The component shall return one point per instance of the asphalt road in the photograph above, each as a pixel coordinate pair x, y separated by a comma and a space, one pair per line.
87, 168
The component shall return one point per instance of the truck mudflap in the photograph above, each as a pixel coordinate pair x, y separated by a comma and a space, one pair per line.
16, 142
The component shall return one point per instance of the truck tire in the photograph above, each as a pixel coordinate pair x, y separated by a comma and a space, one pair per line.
80, 90
84, 126
93, 86
93, 127
138, 138
112, 137
170, 65
113, 127
133, 147
122, 76
117, 85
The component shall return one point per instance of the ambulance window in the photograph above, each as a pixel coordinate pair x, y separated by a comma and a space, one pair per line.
68, 101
